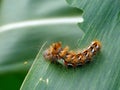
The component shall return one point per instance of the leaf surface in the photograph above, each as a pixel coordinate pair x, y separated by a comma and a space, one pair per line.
101, 22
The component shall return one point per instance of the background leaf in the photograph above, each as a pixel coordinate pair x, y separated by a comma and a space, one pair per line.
102, 22
19, 46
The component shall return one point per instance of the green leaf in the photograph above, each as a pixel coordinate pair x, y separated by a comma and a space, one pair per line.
23, 30
101, 22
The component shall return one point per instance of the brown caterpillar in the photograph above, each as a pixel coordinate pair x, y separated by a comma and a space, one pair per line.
55, 52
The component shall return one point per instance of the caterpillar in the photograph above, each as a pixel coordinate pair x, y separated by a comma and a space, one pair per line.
55, 52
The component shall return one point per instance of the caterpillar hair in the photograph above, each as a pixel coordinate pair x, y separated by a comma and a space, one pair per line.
55, 52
